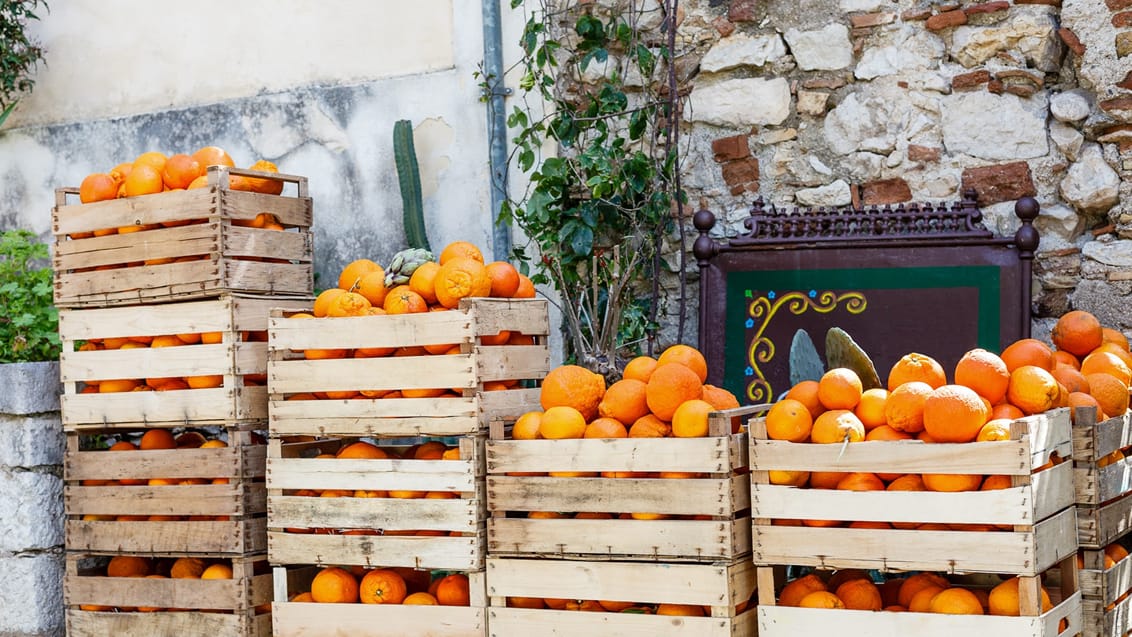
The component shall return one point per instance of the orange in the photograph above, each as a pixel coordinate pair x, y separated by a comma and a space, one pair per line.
504, 279
382, 586
839, 388
1062, 357
1003, 599
670, 385
460, 250
423, 281
1081, 399
1027, 351
983, 372
687, 356
180, 170
372, 286
797, 589
821, 599
208, 381
461, 278
997, 482
154, 159
562, 422
128, 566
322, 302
1070, 378
1115, 552
573, 386
994, 430
1006, 410
527, 426
871, 408
361, 450
681, 610
453, 590
257, 184
806, 392
789, 478
606, 428
952, 482
352, 274
403, 300
789, 420
1117, 349
334, 585
98, 187
916, 583
157, 439
904, 408
835, 426
860, 482
650, 427
1115, 337
213, 156
826, 479
217, 571
721, 399
1032, 389
1111, 394
640, 368
143, 180
624, 401
860, 594
916, 367
420, 599
884, 432
1077, 332
690, 420
526, 288
349, 304
117, 385
1106, 363
956, 601
954, 413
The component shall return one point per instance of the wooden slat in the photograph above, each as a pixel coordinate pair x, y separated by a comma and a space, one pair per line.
239, 241
305, 410
1100, 526
381, 475
266, 278
713, 496
231, 313
333, 620
1106, 585
291, 211
178, 205
160, 362
211, 537
375, 513
402, 330
190, 406
408, 372
98, 624
699, 455
1007, 457
162, 593
445, 553
224, 462
511, 362
205, 499
492, 316
1094, 440
159, 243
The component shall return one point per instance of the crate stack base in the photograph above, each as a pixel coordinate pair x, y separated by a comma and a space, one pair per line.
1024, 529
394, 508
98, 605
1103, 481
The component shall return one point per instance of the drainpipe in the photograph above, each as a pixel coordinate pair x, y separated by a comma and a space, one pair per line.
496, 125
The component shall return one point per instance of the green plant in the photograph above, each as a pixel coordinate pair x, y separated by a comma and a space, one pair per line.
28, 320
18, 54
409, 177
595, 213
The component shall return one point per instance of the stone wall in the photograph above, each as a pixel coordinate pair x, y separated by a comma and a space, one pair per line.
31, 500
839, 102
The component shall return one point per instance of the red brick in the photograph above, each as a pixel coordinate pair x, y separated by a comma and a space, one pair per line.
986, 7
885, 191
915, 15
1122, 20
1048, 3
1118, 5
1126, 83
922, 153
1001, 182
1117, 104
1124, 44
723, 26
741, 172
743, 10
1071, 40
970, 80
941, 21
871, 20
730, 148
996, 87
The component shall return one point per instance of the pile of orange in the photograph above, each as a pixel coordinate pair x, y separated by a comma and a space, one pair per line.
205, 381
394, 585
362, 450
169, 568
1091, 366
162, 439
435, 286
925, 592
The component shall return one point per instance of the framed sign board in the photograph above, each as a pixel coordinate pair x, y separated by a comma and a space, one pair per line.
925, 278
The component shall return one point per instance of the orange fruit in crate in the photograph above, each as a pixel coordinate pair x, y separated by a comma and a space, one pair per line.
562, 422
504, 279
859, 594
352, 274
835, 426
382, 586
839, 388
423, 281
180, 170
789, 420
870, 409
98, 187
402, 300
687, 356
361, 450
797, 589
915, 583
640, 368
994, 430
1070, 378
1027, 351
916, 367
261, 185
984, 372
153, 158
1007, 411
217, 571
1115, 552
372, 286
624, 401
574, 386
954, 413
454, 590
460, 250
606, 428
821, 599
1080, 399
1077, 332
806, 392
213, 156
1003, 599
349, 304
209, 381
322, 303
420, 598
922, 601
459, 279
1032, 389
956, 601
334, 585
680, 610
670, 385
527, 426
1115, 348
884, 432
143, 180
1111, 394
860, 481
1064, 358
1101, 362
952, 482
526, 288
690, 420
128, 566
650, 427
157, 439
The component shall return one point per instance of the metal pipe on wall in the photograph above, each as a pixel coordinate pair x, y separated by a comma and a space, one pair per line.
496, 125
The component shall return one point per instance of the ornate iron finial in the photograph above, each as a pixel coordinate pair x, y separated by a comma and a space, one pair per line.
704, 248
1026, 237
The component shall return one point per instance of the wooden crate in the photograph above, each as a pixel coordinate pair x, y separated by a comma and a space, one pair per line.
1039, 507
1103, 494
725, 588
289, 373
292, 467
1103, 587
204, 608
783, 621
231, 518
234, 358
169, 260
298, 619
710, 515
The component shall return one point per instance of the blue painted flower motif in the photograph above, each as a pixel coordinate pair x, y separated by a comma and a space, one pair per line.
770, 295
750, 371
813, 293
750, 323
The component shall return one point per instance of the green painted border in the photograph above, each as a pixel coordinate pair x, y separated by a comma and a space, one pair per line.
985, 278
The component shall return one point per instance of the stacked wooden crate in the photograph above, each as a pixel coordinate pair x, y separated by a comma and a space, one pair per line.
1025, 530
164, 370
423, 515
1104, 520
632, 528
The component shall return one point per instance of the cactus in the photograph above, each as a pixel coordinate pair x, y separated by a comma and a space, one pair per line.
409, 176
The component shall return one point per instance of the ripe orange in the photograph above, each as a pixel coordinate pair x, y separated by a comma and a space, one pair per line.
352, 274
213, 156
806, 392
835, 426
1032, 389
361, 450
797, 589
1111, 394
382, 586
839, 388
402, 300
1106, 363
460, 250
687, 356
690, 420
1062, 357
98, 187
334, 585
860, 482
349, 304
143, 179
1003, 599
1115, 337
669, 387
884, 432
453, 590
1007, 411
650, 427
1077, 332
1070, 378
904, 408
527, 426
860, 594
323, 300
871, 408
956, 601
128, 566
624, 401
680, 610
821, 599
916, 367
420, 598
640, 368
983, 372
526, 288
217, 571
606, 428
789, 420
562, 422
504, 279
1081, 399
180, 170
372, 286
952, 482
994, 430
573, 386
954, 413
915, 583
423, 281
1027, 351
